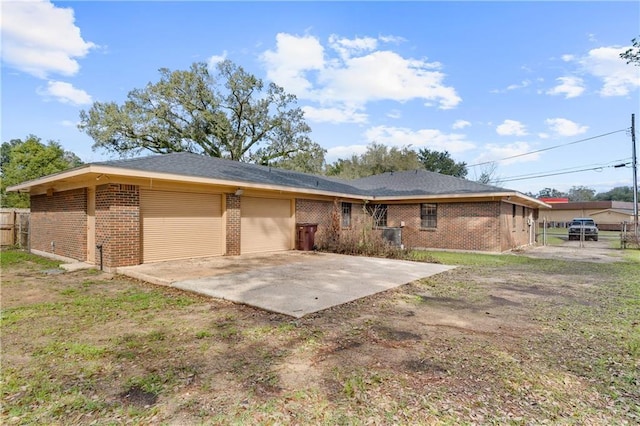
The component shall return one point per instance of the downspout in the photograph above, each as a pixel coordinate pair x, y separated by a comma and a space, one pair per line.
99, 247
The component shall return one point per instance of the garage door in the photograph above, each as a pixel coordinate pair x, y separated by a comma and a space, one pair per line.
266, 224
179, 225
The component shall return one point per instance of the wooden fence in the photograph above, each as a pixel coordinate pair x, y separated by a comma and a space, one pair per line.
14, 227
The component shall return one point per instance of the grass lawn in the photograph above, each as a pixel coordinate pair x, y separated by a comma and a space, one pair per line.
502, 339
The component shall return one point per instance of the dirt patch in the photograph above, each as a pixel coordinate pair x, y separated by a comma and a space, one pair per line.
517, 341
588, 251
137, 396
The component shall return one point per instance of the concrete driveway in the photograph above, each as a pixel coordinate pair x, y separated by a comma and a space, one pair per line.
291, 283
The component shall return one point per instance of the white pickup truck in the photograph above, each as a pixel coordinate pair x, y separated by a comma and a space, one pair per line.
583, 227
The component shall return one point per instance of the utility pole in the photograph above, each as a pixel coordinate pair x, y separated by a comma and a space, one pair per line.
635, 174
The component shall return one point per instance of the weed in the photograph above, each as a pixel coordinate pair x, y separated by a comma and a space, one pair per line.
151, 383
68, 292
358, 383
203, 334
157, 336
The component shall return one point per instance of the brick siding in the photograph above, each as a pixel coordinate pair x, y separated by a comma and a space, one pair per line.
478, 226
514, 236
118, 224
59, 223
462, 226
315, 211
233, 225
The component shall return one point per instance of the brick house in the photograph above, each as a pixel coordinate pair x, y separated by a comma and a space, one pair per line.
185, 205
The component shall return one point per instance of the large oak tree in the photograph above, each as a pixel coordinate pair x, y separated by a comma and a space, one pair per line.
229, 113
632, 55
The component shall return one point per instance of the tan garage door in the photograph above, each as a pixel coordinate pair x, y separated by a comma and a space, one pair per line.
179, 225
266, 224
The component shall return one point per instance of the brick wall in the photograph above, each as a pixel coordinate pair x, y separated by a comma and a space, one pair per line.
315, 211
233, 225
460, 226
60, 219
514, 230
118, 224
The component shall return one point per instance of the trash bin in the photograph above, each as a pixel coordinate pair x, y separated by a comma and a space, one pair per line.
305, 236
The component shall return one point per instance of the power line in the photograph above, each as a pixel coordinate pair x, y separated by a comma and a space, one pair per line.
569, 169
561, 173
549, 148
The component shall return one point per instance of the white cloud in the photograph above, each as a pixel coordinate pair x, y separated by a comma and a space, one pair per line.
40, 38
215, 59
618, 78
543, 135
564, 127
68, 123
460, 124
394, 113
494, 152
392, 39
422, 138
293, 57
569, 86
356, 74
333, 115
511, 128
349, 47
521, 85
65, 93
345, 151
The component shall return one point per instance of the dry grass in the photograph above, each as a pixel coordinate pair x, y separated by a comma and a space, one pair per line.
500, 340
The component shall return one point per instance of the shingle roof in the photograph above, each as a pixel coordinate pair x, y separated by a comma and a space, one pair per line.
188, 164
409, 183
421, 182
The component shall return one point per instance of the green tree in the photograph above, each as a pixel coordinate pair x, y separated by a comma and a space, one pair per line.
229, 114
377, 159
30, 159
619, 193
441, 162
551, 193
581, 193
309, 161
632, 55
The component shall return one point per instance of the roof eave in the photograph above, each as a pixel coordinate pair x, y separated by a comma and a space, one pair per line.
509, 196
111, 171
26, 186
98, 169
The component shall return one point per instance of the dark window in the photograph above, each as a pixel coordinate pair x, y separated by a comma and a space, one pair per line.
429, 215
379, 214
513, 214
346, 215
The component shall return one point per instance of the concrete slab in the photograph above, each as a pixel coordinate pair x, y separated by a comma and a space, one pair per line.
77, 266
297, 287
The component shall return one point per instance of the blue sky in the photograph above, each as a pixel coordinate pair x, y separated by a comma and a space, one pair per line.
484, 81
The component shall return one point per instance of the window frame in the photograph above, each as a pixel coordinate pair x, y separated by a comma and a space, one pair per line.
429, 215
346, 210
382, 219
